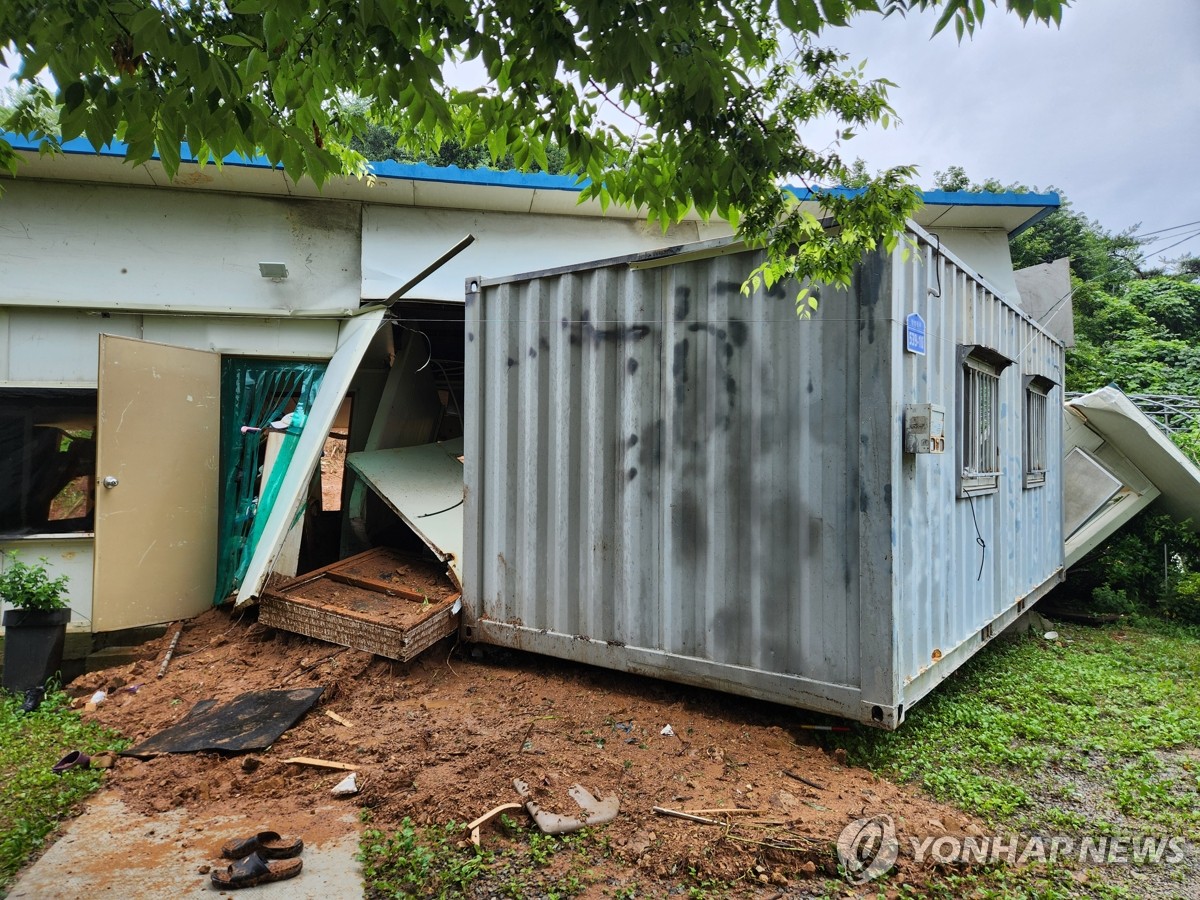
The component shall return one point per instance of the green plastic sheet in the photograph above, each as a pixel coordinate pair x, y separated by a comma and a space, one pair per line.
257, 397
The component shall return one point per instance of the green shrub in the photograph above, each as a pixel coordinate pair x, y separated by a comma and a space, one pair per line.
1106, 599
1183, 600
23, 586
1125, 573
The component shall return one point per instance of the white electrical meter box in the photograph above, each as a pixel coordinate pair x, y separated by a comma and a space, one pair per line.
924, 428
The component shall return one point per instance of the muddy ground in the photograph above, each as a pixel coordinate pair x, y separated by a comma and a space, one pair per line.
442, 738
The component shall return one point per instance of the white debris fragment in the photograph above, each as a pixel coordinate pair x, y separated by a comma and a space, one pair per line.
347, 787
668, 731
1051, 635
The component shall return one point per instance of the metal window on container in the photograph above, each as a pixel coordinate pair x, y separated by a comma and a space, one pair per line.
1036, 429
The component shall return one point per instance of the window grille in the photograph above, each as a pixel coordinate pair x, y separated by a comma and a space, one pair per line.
1036, 429
981, 452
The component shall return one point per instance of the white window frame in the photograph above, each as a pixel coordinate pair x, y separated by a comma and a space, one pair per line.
979, 439
1037, 429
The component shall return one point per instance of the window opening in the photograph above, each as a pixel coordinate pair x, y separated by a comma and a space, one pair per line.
47, 461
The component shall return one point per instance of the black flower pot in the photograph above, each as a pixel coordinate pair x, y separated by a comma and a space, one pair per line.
33, 646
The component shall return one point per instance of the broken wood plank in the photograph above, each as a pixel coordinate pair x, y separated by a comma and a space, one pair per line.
162, 669
337, 718
677, 814
726, 811
379, 587
474, 827
321, 763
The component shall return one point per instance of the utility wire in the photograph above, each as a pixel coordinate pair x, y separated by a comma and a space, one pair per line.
1194, 234
1172, 228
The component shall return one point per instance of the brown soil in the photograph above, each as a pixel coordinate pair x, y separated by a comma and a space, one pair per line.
333, 465
442, 738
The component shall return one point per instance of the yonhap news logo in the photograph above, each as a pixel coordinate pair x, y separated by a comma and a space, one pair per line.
868, 848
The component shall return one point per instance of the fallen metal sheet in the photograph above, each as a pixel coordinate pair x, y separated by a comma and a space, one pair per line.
423, 485
1113, 416
253, 721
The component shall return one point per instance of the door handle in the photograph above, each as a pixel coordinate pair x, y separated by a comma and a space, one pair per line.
110, 481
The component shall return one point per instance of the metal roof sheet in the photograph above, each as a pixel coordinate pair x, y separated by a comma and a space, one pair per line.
419, 184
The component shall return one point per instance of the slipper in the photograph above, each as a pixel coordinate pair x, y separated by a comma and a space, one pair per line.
76, 759
254, 870
267, 844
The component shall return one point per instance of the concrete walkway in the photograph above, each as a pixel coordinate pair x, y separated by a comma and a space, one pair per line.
112, 851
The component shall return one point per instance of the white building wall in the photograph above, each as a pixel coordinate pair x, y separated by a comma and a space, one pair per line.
398, 242
121, 248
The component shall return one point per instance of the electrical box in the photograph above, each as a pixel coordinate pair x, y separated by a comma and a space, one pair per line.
924, 428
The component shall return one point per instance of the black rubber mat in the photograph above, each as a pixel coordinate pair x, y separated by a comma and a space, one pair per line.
253, 721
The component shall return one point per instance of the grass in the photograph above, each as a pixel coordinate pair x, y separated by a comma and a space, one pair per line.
33, 799
1091, 735
438, 861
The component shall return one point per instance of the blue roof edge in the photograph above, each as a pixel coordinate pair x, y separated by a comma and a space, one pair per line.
1046, 203
81, 146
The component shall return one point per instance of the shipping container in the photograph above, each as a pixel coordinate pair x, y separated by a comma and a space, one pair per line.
666, 476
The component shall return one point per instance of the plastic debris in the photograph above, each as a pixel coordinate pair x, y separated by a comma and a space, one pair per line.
595, 812
99, 697
668, 731
1051, 635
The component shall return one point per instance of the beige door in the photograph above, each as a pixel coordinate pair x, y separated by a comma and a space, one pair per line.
157, 462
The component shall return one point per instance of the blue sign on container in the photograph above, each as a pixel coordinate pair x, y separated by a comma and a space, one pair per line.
914, 334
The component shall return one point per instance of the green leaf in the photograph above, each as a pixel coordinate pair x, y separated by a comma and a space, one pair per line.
800, 15
240, 40
73, 96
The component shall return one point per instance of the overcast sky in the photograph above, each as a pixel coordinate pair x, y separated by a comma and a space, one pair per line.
1106, 109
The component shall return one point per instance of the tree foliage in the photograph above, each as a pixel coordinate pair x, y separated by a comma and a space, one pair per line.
666, 106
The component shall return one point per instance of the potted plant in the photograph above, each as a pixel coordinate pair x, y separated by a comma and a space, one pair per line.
35, 625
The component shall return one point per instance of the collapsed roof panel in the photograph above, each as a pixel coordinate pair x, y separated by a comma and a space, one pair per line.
1121, 462
423, 485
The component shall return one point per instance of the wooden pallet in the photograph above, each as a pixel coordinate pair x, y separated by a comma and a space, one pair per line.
369, 602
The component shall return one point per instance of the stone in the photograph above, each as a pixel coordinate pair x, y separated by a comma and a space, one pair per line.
784, 801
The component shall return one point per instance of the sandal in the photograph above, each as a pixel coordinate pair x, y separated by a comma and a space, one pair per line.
267, 844
254, 870
76, 759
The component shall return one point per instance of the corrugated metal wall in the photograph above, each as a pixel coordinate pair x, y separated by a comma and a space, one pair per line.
950, 587
664, 476
657, 462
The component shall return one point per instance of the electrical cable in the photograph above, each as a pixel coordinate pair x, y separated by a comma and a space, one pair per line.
1161, 230
978, 537
1189, 237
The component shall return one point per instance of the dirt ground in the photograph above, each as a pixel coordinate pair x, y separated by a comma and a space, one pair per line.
442, 738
